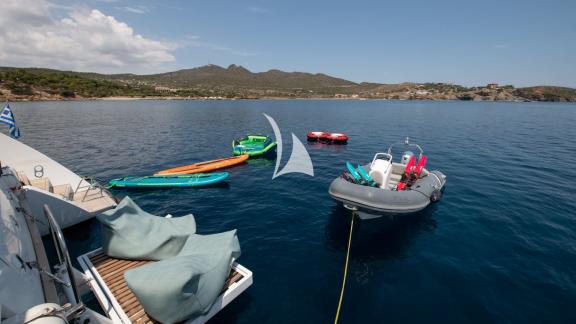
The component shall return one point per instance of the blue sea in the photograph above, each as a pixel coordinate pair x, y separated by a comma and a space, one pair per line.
499, 247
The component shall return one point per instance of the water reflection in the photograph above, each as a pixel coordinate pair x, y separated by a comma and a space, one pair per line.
234, 310
334, 147
387, 237
262, 161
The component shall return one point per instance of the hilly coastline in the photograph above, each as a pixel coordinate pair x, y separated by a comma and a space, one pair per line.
237, 82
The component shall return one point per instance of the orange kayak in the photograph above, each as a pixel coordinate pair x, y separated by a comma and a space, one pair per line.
206, 166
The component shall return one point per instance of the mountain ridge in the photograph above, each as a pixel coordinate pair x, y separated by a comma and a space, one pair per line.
236, 81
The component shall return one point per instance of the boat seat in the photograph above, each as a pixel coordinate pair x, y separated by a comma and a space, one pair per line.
380, 172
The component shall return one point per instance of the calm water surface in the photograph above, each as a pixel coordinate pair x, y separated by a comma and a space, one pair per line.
499, 247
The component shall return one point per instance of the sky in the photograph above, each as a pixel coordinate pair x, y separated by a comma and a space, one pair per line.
523, 43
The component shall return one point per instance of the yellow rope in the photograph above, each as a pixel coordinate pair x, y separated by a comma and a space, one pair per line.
345, 268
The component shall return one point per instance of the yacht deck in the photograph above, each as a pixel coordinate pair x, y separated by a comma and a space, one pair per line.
120, 303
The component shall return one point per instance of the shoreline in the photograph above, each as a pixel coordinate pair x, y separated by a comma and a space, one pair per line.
127, 98
121, 98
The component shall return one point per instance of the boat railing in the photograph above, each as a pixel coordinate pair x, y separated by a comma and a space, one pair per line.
407, 143
381, 156
89, 184
65, 272
64, 276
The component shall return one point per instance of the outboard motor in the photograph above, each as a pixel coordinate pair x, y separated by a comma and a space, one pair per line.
406, 157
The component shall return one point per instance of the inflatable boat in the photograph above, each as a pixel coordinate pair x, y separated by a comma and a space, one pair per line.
385, 187
253, 145
169, 181
316, 136
327, 137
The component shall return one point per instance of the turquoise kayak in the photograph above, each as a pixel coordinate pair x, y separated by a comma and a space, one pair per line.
169, 181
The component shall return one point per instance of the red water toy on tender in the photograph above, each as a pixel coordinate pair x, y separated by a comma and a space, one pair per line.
327, 137
411, 172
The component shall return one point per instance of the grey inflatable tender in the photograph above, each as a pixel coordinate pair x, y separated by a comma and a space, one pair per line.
192, 268
378, 201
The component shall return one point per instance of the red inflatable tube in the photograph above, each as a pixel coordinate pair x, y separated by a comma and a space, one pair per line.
337, 137
316, 136
327, 137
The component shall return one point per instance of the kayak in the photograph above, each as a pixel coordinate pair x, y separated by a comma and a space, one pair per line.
205, 166
169, 181
253, 145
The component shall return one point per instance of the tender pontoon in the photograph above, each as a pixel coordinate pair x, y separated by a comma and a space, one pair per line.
384, 187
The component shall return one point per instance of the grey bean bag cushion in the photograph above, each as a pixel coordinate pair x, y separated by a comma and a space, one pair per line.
192, 269
180, 288
128, 232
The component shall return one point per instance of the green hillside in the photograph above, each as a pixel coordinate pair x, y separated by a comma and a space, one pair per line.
65, 84
212, 81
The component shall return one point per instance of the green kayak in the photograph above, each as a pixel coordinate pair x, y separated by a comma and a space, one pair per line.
253, 145
169, 181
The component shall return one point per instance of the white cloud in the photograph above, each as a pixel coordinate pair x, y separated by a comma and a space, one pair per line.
88, 40
220, 48
196, 42
136, 9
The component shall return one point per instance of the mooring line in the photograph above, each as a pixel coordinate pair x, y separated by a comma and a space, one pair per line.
345, 268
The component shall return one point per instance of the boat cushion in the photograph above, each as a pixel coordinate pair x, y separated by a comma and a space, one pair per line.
128, 232
212, 243
180, 288
191, 269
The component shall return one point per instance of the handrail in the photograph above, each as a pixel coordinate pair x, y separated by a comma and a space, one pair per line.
407, 143
92, 184
62, 251
388, 155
